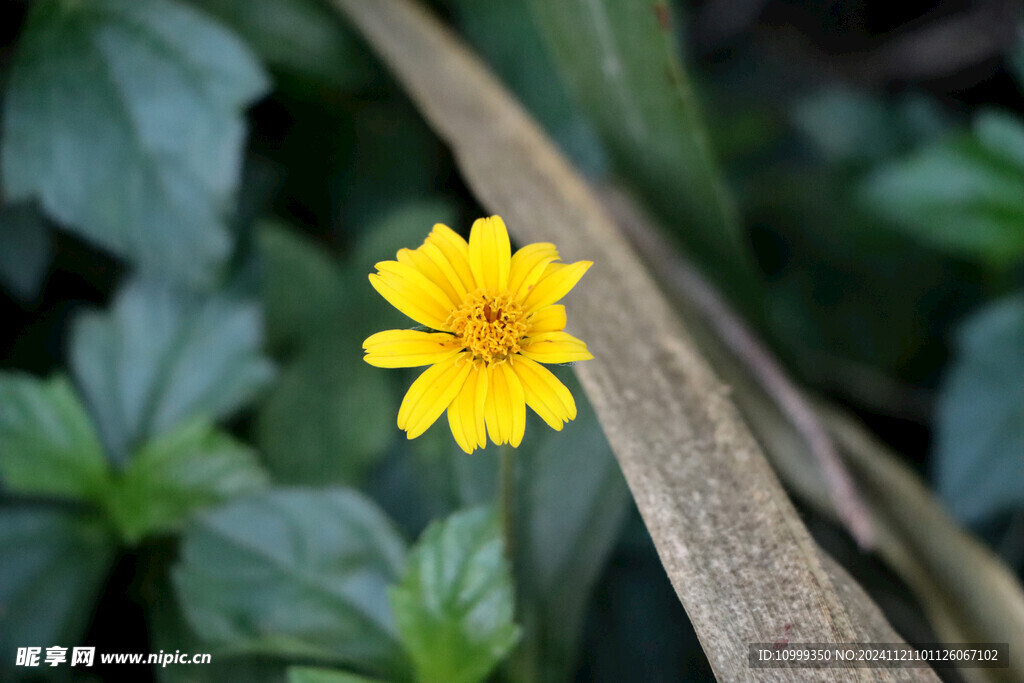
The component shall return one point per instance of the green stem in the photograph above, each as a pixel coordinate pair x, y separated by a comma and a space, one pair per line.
507, 499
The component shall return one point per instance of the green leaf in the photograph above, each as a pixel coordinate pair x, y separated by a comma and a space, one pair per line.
980, 431
294, 573
961, 194
328, 418
168, 631
619, 59
159, 357
123, 118
52, 565
502, 31
178, 473
454, 606
299, 38
47, 442
301, 288
306, 674
24, 250
849, 126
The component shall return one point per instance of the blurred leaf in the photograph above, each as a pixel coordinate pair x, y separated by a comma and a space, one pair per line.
1015, 60
302, 291
159, 357
308, 295
24, 250
847, 125
400, 226
962, 194
418, 481
329, 416
394, 159
123, 118
305, 674
52, 565
454, 606
503, 31
300, 38
294, 573
980, 430
176, 474
839, 294
168, 631
1002, 135
571, 504
620, 61
47, 441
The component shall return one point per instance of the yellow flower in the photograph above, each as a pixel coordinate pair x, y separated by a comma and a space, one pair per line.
496, 319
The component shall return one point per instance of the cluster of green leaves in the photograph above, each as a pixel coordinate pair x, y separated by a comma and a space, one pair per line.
943, 199
129, 451
123, 124
218, 403
962, 194
322, 575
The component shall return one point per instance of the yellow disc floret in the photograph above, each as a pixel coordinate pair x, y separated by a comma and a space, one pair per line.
489, 325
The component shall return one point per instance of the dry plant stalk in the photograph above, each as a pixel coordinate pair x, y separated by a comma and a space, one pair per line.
734, 548
967, 593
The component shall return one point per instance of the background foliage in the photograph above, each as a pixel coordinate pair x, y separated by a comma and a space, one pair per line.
193, 456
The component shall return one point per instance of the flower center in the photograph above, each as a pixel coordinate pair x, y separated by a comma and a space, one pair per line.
489, 325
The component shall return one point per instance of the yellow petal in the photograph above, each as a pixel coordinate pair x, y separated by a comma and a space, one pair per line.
455, 251
555, 347
420, 261
431, 394
415, 279
557, 281
528, 266
409, 348
410, 301
505, 407
466, 413
447, 269
490, 253
547, 319
545, 393
516, 404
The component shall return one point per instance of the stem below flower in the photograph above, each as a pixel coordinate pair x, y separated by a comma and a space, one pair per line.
507, 499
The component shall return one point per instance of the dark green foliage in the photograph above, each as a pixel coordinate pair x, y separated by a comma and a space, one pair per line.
52, 563
176, 473
979, 450
47, 441
300, 39
962, 194
146, 96
621, 63
295, 573
26, 250
161, 356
